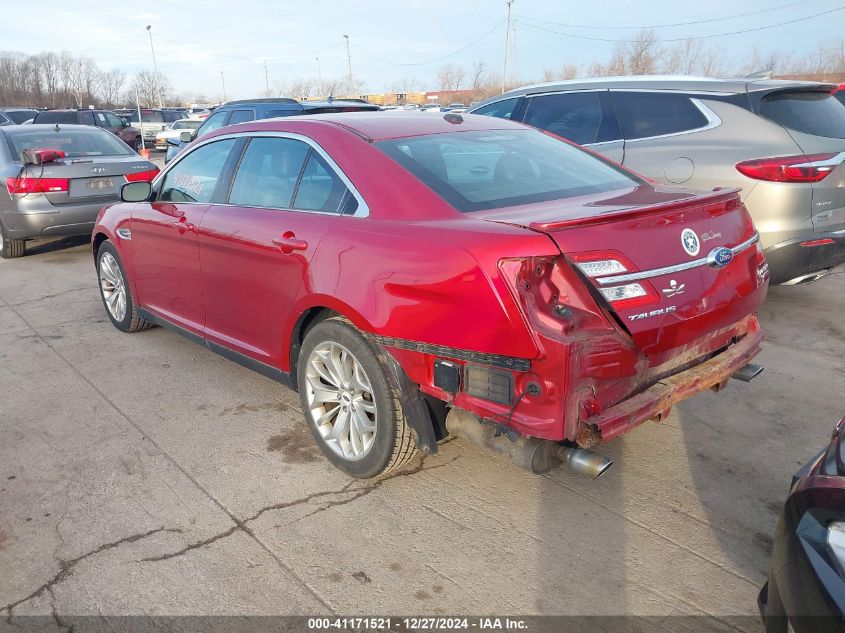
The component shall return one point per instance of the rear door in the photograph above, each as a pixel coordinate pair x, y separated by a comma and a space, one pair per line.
164, 245
255, 249
584, 117
816, 120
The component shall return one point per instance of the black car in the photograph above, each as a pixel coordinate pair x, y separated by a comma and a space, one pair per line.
806, 588
19, 115
99, 118
252, 109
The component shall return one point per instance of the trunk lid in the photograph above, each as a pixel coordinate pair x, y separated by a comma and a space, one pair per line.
662, 239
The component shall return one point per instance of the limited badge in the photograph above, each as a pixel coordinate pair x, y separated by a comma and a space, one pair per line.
690, 242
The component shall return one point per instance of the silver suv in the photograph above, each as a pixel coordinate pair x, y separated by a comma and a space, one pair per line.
781, 142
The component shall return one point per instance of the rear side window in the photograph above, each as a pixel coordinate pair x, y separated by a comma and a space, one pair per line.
500, 109
581, 117
241, 116
194, 178
86, 117
646, 114
320, 188
272, 114
817, 113
214, 122
494, 169
268, 172
55, 117
19, 116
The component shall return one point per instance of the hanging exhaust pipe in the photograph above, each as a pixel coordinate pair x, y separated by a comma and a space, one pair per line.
531, 453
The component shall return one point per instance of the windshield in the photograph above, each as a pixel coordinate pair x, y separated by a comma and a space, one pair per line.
818, 113
185, 125
494, 169
73, 142
147, 116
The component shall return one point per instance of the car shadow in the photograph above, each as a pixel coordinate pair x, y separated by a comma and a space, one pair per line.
44, 246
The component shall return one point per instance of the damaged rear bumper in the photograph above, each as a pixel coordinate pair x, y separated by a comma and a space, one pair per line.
656, 402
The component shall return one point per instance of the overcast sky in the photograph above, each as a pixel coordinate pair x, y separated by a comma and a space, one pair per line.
194, 41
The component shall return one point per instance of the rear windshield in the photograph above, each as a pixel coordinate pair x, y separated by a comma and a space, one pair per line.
19, 116
147, 116
818, 113
494, 169
55, 117
73, 142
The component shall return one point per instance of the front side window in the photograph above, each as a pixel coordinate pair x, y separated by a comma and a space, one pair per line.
241, 116
194, 178
113, 120
500, 109
577, 116
214, 122
647, 114
268, 172
320, 189
497, 168
811, 112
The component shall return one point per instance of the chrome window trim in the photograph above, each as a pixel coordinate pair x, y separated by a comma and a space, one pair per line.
363, 210
713, 119
677, 268
837, 160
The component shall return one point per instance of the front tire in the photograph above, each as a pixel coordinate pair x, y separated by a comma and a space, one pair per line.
349, 405
9, 248
137, 144
115, 291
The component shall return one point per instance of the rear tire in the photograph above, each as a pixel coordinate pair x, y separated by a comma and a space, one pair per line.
349, 405
137, 144
9, 248
115, 291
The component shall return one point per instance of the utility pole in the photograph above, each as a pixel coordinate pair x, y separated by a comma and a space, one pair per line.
507, 37
266, 80
349, 60
155, 66
223, 80
319, 76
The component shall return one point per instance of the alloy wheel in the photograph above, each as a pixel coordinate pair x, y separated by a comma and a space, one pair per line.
113, 287
2, 240
340, 400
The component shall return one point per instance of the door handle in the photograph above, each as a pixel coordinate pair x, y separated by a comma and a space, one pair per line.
289, 243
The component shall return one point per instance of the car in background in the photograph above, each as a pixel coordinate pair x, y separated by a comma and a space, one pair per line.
4, 120
104, 119
174, 130
805, 592
19, 115
56, 179
343, 253
839, 93
781, 142
154, 120
431, 107
245, 110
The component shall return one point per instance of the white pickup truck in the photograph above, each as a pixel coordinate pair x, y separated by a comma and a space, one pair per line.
153, 121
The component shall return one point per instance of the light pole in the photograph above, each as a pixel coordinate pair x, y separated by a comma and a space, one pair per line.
319, 76
223, 81
507, 37
155, 66
348, 61
266, 80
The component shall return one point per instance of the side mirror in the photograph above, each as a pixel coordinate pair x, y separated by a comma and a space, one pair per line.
173, 141
136, 191
186, 136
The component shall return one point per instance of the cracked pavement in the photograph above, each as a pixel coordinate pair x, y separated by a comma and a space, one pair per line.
142, 474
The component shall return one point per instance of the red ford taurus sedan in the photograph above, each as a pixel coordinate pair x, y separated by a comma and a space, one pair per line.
393, 268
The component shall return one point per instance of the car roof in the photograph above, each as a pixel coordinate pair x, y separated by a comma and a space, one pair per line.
379, 126
662, 82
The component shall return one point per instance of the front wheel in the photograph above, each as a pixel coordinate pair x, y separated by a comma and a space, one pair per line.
350, 407
115, 291
138, 144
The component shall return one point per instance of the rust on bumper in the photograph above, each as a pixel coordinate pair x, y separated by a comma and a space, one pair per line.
656, 401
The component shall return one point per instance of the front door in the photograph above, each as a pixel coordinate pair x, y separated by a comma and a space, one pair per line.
165, 250
255, 250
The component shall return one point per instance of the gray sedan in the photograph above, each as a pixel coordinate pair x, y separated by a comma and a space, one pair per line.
58, 178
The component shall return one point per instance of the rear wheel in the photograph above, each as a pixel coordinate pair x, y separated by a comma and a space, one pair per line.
10, 248
138, 143
351, 409
115, 291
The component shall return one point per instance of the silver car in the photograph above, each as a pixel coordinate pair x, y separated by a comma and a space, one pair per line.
57, 177
781, 142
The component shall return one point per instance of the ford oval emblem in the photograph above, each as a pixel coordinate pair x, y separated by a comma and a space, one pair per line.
720, 257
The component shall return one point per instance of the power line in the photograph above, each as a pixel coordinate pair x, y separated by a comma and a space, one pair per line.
660, 26
682, 39
433, 61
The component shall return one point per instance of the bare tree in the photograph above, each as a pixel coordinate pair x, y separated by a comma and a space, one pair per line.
450, 77
148, 86
562, 73
111, 86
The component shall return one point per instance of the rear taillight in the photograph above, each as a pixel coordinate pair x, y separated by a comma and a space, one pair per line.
25, 185
142, 175
803, 168
600, 264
